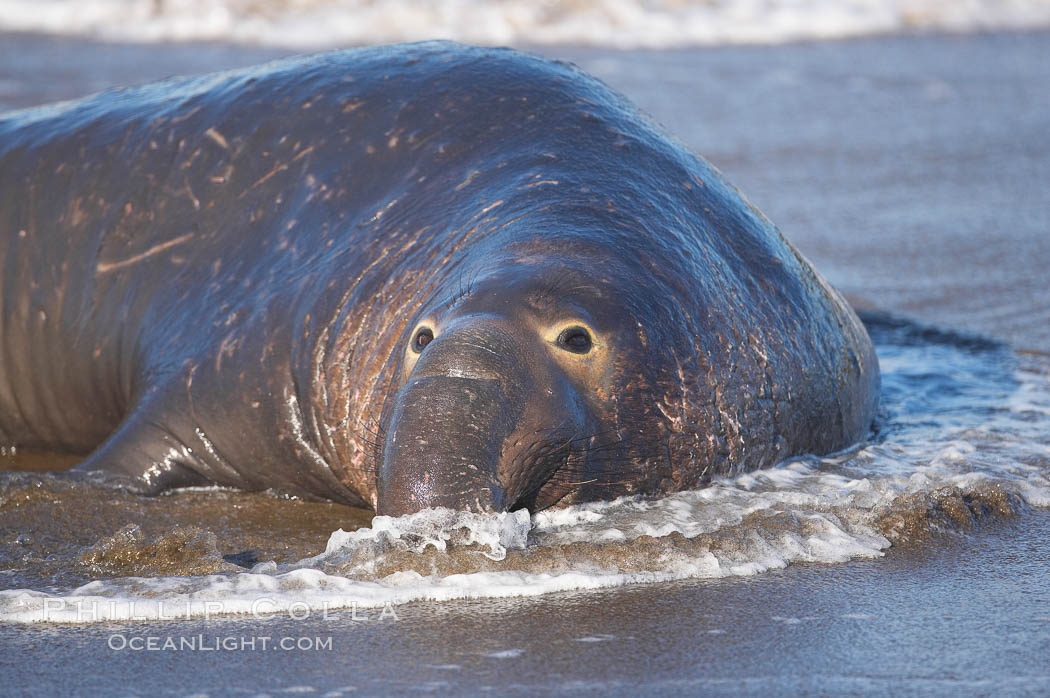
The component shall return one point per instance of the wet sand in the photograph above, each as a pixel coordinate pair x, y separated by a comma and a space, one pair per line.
69, 531
912, 171
965, 614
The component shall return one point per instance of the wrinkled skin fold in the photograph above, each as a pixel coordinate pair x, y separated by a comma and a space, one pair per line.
400, 277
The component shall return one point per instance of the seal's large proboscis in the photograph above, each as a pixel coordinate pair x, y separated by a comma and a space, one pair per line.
404, 277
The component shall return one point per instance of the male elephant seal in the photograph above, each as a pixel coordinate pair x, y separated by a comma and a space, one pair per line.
423, 275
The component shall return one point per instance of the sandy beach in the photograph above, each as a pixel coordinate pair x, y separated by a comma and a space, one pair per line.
913, 172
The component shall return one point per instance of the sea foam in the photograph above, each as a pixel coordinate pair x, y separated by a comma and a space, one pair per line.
613, 23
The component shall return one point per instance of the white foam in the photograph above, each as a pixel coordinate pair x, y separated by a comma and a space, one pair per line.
435, 528
617, 23
815, 535
819, 517
815, 517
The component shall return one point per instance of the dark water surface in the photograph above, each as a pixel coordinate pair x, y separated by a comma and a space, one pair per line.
913, 172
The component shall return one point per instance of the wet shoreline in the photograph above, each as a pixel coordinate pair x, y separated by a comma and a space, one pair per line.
964, 614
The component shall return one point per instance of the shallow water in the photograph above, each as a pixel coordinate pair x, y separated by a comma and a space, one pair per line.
965, 615
910, 171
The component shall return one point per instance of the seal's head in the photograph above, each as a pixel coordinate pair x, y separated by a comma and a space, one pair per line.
586, 310
512, 390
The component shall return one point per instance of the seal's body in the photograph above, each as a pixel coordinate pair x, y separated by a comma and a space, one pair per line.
402, 277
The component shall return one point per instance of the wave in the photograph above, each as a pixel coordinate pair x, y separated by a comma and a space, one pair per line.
612, 23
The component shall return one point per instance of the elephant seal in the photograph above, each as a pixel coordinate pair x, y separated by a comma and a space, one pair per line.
405, 277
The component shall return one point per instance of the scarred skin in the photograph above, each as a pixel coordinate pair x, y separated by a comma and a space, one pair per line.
404, 277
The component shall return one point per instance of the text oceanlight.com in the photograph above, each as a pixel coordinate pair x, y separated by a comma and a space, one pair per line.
215, 643
263, 609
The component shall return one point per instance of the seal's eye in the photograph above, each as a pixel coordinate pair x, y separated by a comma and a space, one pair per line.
422, 338
575, 339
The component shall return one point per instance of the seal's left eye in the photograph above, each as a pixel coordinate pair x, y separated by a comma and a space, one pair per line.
575, 339
422, 338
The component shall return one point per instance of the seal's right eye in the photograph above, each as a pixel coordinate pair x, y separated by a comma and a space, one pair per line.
422, 338
575, 339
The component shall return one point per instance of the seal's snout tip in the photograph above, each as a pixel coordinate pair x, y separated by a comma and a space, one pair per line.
482, 500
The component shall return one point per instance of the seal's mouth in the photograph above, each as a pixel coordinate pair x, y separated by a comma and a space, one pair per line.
546, 470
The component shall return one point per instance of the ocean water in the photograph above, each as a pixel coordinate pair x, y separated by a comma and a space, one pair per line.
613, 23
912, 171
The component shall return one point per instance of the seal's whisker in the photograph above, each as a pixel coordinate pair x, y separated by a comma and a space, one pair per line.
373, 444
377, 433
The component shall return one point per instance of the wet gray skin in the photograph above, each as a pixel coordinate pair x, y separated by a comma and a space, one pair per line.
404, 277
